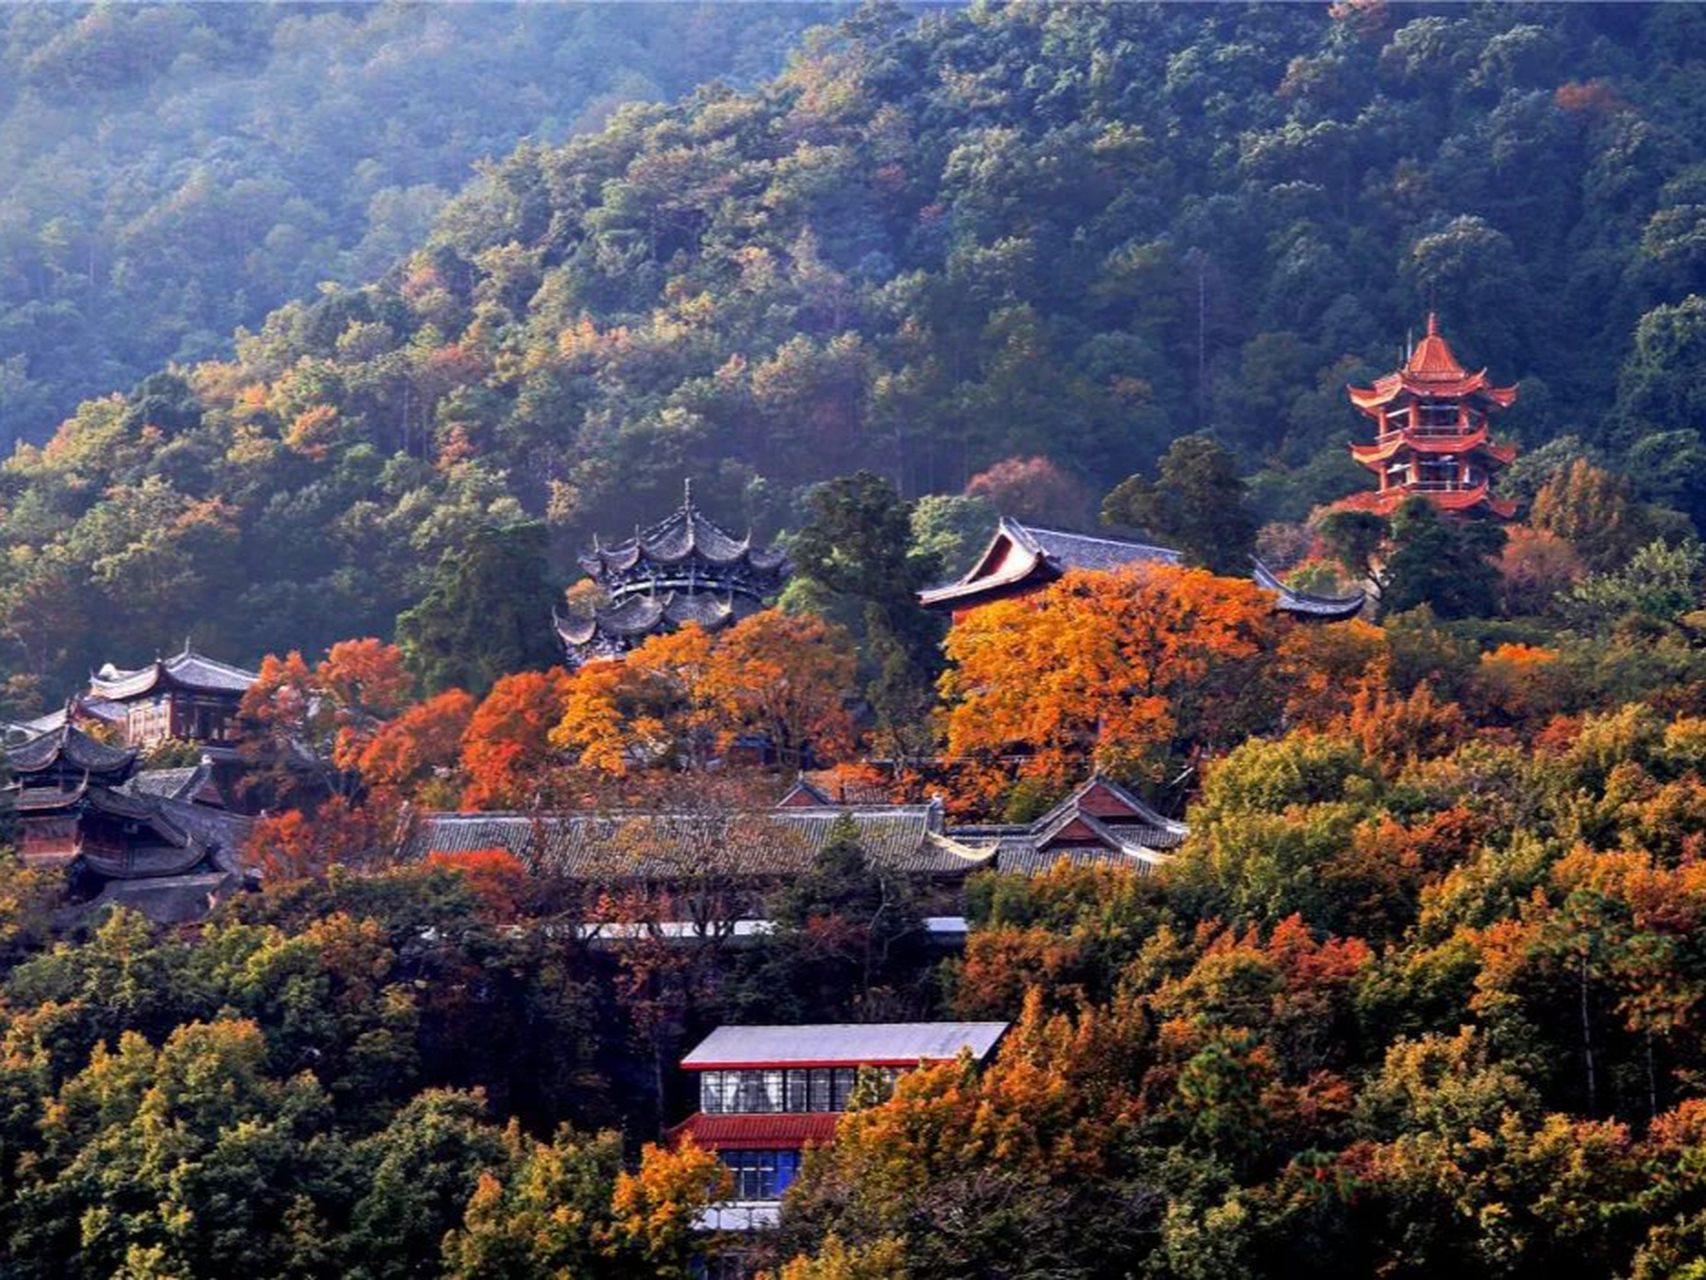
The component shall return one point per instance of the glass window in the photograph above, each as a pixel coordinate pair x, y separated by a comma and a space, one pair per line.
819, 1089
798, 1083
842, 1088
774, 1100
761, 1175
787, 1169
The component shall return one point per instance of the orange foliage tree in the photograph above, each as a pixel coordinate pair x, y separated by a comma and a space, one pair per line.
1113, 669
293, 845
496, 876
419, 746
302, 723
682, 697
507, 752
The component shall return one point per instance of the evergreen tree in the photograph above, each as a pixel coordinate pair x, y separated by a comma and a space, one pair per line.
1444, 563
487, 614
856, 545
1197, 503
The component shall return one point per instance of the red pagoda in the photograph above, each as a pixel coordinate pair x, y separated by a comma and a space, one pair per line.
1431, 419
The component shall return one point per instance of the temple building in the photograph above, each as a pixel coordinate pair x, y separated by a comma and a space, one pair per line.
1100, 823
767, 1093
155, 841
683, 569
1431, 434
188, 697
737, 857
1021, 559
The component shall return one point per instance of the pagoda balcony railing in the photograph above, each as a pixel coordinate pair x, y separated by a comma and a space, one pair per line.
1456, 431
1442, 486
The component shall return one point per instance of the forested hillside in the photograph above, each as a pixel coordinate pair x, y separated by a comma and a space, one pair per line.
173, 171
931, 244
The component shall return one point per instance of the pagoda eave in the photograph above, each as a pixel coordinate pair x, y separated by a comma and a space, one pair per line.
1455, 502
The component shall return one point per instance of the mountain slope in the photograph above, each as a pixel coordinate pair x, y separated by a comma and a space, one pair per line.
928, 245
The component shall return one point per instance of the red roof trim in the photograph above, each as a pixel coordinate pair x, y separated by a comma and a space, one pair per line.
783, 1131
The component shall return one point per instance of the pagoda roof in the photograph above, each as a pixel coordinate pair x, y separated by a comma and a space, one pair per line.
188, 670
686, 534
1432, 371
645, 614
1385, 502
1022, 553
664, 846
1019, 555
69, 749
1393, 443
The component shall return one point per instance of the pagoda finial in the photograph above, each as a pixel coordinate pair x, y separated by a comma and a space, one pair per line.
687, 491
1433, 324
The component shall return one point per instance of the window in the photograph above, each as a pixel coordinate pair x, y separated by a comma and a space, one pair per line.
761, 1175
798, 1089
717, 1091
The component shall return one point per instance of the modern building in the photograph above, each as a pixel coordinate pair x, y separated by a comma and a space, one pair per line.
684, 569
767, 1093
1021, 559
1432, 420
741, 855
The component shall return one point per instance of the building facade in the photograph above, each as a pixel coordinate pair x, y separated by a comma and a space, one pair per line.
767, 1093
1432, 420
188, 697
156, 841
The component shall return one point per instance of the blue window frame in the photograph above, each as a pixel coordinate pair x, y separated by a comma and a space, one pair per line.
761, 1175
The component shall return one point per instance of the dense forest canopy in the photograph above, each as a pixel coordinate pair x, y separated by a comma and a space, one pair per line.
176, 170
932, 243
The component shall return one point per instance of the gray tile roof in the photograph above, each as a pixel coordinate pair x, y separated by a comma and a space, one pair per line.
845, 1044
167, 899
654, 846
189, 670
1130, 833
1053, 552
69, 748
1333, 608
172, 784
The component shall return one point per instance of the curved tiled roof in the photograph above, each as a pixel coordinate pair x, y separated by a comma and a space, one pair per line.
1019, 552
683, 535
69, 748
187, 670
653, 846
1100, 822
170, 784
1332, 608
1432, 370
684, 569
